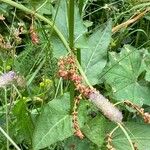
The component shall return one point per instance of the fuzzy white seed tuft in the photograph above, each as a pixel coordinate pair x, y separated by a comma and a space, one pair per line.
7, 78
107, 108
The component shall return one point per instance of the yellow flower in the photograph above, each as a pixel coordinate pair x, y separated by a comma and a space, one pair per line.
42, 84
46, 83
24, 98
8, 68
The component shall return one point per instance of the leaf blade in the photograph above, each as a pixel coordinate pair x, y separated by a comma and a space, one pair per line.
122, 74
139, 134
54, 124
94, 58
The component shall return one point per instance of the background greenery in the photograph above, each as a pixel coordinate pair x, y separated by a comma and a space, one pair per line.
36, 112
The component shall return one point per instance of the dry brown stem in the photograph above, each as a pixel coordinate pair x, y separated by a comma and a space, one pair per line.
140, 111
130, 21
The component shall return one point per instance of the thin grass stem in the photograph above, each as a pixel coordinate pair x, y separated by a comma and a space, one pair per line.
127, 135
9, 138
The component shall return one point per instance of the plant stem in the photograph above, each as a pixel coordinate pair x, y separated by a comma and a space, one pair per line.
79, 55
71, 23
111, 133
138, 34
127, 135
6, 115
71, 44
81, 3
8, 138
57, 89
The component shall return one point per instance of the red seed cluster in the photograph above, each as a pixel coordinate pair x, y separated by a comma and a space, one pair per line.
76, 126
68, 70
140, 111
33, 34
109, 143
146, 117
135, 146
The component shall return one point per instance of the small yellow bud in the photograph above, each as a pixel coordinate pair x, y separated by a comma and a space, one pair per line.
8, 68
48, 81
24, 98
42, 84
37, 99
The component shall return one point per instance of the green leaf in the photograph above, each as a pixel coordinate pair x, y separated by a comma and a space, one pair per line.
79, 30
94, 130
54, 124
61, 21
45, 9
5, 9
23, 124
24, 63
88, 23
58, 47
76, 144
122, 74
147, 76
139, 134
94, 58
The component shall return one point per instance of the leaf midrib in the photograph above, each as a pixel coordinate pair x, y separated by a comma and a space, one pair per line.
95, 50
51, 130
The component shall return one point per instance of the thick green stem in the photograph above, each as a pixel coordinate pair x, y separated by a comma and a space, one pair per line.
71, 23
79, 56
81, 3
71, 44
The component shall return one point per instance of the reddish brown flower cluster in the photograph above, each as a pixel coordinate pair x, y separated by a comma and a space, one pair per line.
33, 33
4, 44
17, 32
16, 39
34, 36
110, 146
140, 111
2, 17
135, 146
109, 142
68, 70
76, 126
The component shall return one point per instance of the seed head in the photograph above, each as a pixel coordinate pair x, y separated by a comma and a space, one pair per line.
107, 108
7, 78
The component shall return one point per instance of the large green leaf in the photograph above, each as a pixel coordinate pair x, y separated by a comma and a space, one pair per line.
94, 57
76, 144
54, 123
139, 134
60, 18
42, 6
58, 47
62, 21
23, 124
122, 74
94, 130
